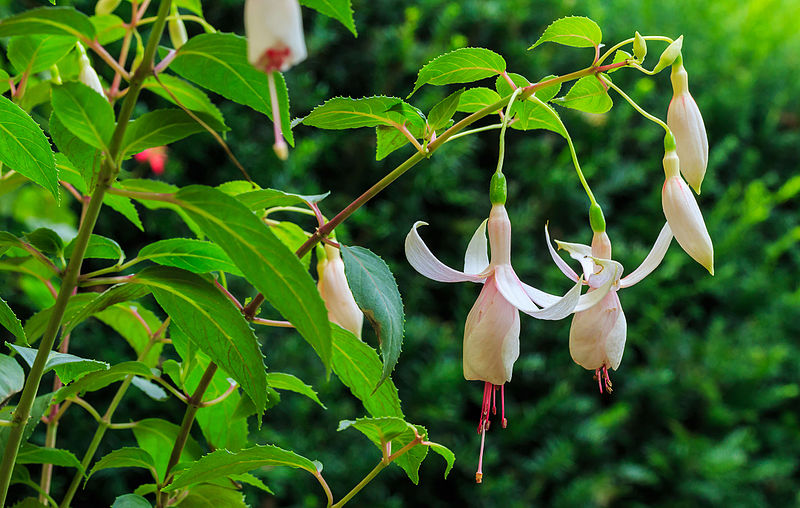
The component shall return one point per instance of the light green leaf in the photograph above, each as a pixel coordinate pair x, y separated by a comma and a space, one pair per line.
620, 56
36, 53
131, 501
109, 28
10, 322
24, 147
135, 324
268, 264
463, 65
219, 63
192, 5
268, 198
32, 454
283, 381
157, 437
12, 378
475, 99
440, 115
190, 97
125, 457
588, 94
446, 453
376, 294
193, 255
100, 379
48, 20
347, 113
532, 113
99, 247
4, 86
390, 139
162, 127
340, 10
68, 367
86, 113
379, 430
76, 157
113, 295
575, 31
223, 463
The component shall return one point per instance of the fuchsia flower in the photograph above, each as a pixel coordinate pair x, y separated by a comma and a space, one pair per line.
335, 292
156, 157
274, 30
597, 335
686, 123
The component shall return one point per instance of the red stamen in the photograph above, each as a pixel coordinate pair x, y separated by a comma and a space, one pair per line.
607, 379
599, 379
274, 59
494, 400
503, 406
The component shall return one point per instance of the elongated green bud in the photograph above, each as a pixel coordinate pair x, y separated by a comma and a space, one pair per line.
498, 189
596, 218
177, 30
639, 47
104, 7
669, 142
669, 55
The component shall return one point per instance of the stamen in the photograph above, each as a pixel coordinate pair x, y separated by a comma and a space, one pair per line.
599, 379
280, 148
494, 400
479, 473
503, 406
607, 379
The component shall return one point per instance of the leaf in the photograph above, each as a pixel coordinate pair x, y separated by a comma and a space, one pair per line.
620, 56
125, 457
347, 113
292, 236
475, 99
24, 147
268, 198
440, 115
213, 496
12, 378
150, 389
446, 453
135, 324
193, 255
36, 324
10, 322
75, 154
223, 463
266, 263
588, 94
99, 247
379, 430
358, 367
340, 10
575, 31
162, 127
157, 437
212, 322
36, 53
100, 379
86, 113
531, 113
376, 294
32, 454
48, 20
46, 240
131, 501
190, 97
113, 295
109, 28
460, 66
40, 405
219, 63
283, 381
68, 367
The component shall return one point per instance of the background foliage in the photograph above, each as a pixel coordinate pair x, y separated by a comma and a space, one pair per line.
705, 402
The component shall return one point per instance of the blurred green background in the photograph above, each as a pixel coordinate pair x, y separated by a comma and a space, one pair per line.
705, 402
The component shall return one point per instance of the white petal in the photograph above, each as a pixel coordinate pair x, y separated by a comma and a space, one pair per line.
581, 253
652, 260
277, 25
562, 265
615, 341
516, 293
608, 270
595, 295
476, 259
686, 222
423, 260
589, 332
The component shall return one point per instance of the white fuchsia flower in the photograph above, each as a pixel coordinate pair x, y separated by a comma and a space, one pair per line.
686, 123
597, 335
274, 30
87, 75
336, 293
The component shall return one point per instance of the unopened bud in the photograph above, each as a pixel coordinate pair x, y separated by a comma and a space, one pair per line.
335, 292
177, 30
596, 219
87, 75
281, 150
105, 7
669, 55
686, 122
639, 47
498, 189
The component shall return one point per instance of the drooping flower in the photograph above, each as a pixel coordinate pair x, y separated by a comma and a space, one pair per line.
683, 214
335, 292
597, 335
686, 123
274, 30
87, 75
156, 157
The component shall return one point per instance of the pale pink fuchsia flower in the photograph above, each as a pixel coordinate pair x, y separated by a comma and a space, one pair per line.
156, 157
274, 30
87, 75
597, 335
683, 214
686, 123
491, 333
335, 292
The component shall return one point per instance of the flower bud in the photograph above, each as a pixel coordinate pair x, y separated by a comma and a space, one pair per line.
683, 215
274, 30
333, 288
87, 74
686, 123
639, 47
669, 55
104, 7
491, 337
177, 30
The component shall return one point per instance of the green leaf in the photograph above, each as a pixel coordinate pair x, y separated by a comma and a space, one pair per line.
113, 295
223, 463
340, 10
10, 322
86, 113
135, 324
575, 31
131, 501
192, 5
162, 127
68, 367
446, 453
266, 263
36, 53
157, 437
40, 405
532, 113
46, 240
620, 56
475, 99
463, 65
24, 147
347, 113
100, 379
4, 86
150, 389
48, 20
219, 63
213, 323
358, 367
292, 236
588, 94
99, 247
376, 294
190, 97
379, 430
213, 496
12, 378
193, 255
544, 94
268, 198
125, 457
441, 113
36, 324
283, 381
77, 154
32, 454
109, 28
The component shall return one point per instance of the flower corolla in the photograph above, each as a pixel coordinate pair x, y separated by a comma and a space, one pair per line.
336, 293
274, 30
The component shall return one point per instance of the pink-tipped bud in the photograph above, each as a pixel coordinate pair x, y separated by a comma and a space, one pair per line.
491, 337
335, 292
87, 75
274, 30
684, 217
686, 123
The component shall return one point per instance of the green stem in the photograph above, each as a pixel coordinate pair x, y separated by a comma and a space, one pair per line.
628, 41
47, 469
476, 131
363, 483
502, 155
638, 108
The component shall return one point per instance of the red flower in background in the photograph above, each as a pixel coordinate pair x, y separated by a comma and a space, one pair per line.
156, 157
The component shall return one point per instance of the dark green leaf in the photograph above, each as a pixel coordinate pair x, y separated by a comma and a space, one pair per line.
347, 113
48, 20
193, 255
36, 53
157, 437
131, 501
32, 454
460, 66
12, 378
441, 113
575, 31
475, 99
125, 457
340, 10
376, 294
86, 113
67, 366
46, 240
113, 295
97, 380
189, 97
36, 324
10, 322
213, 496
283, 381
24, 147
588, 94
99, 247
162, 127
